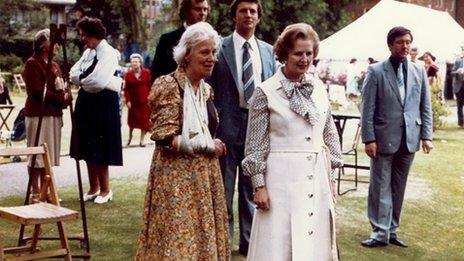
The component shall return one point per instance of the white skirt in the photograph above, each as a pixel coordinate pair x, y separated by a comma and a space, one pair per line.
299, 224
50, 133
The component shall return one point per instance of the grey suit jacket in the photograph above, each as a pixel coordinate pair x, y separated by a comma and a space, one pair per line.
383, 116
224, 80
458, 78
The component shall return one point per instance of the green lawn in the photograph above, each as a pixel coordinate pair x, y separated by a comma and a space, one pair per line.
432, 220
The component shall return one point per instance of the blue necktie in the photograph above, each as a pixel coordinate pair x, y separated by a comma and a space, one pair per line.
247, 76
400, 82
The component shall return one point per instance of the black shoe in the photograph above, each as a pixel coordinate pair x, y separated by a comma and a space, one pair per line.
397, 242
373, 243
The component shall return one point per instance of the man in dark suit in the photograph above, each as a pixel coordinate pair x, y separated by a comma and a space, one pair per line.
190, 12
458, 81
396, 117
243, 63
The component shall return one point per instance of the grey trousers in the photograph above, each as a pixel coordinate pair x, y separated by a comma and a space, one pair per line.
388, 177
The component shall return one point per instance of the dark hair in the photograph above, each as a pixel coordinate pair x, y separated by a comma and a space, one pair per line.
93, 27
429, 54
353, 60
185, 6
235, 3
286, 40
397, 32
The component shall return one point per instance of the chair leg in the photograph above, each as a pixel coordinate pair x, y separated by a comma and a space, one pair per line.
64, 240
1, 251
35, 238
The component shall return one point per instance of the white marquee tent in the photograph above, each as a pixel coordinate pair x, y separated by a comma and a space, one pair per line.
433, 31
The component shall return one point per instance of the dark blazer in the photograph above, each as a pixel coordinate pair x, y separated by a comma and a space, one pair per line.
224, 81
163, 62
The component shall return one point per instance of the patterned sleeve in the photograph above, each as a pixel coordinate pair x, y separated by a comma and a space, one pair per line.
257, 139
165, 105
332, 141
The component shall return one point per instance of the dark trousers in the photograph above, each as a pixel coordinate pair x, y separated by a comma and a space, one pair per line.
460, 105
388, 177
230, 165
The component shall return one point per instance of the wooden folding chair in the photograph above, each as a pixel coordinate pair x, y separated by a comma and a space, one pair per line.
19, 83
37, 214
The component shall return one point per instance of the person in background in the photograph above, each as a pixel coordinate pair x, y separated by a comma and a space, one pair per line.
4, 93
458, 81
353, 75
36, 77
98, 123
243, 62
430, 66
290, 126
185, 214
136, 89
190, 12
396, 119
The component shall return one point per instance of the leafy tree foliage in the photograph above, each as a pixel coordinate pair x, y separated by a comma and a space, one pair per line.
21, 17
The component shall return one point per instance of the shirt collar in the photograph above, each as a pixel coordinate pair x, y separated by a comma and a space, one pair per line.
239, 41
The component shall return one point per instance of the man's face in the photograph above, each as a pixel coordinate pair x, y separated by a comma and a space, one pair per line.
401, 46
413, 54
246, 16
198, 12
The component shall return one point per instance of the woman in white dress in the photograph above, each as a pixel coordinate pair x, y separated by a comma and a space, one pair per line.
291, 150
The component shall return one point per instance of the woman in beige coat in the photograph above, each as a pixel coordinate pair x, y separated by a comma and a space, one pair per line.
292, 148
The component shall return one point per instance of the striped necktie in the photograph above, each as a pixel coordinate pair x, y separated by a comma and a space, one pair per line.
400, 82
247, 76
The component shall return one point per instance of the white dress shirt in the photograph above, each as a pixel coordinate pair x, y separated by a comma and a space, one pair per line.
255, 60
102, 77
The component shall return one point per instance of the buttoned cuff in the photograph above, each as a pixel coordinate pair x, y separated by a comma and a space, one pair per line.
257, 181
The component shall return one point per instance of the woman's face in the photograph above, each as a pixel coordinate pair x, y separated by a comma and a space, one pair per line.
201, 58
135, 63
299, 59
46, 48
427, 59
88, 41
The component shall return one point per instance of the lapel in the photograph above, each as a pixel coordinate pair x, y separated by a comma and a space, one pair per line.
410, 81
391, 76
228, 51
265, 58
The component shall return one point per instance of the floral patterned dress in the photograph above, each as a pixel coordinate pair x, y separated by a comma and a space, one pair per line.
185, 215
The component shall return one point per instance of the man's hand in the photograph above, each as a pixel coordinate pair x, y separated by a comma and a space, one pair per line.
371, 149
427, 146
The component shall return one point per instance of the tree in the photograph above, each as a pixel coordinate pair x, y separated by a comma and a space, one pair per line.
20, 17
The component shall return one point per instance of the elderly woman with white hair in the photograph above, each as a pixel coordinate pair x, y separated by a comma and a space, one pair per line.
36, 77
185, 215
136, 89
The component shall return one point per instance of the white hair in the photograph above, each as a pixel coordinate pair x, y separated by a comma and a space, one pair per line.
136, 55
40, 39
194, 34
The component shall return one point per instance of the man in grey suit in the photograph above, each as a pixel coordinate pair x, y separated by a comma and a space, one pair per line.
243, 63
458, 81
396, 115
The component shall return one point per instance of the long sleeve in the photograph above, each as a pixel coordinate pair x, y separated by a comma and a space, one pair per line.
127, 86
103, 75
34, 86
369, 96
426, 109
257, 144
75, 71
332, 141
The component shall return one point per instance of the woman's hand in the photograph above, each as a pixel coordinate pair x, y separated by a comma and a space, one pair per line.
261, 199
220, 147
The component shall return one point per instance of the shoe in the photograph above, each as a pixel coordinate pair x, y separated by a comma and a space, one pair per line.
90, 197
142, 145
105, 199
371, 242
395, 241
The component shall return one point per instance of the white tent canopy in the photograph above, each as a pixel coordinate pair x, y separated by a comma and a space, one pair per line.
433, 31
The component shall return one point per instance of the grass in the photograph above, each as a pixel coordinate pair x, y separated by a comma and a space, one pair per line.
432, 219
